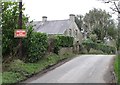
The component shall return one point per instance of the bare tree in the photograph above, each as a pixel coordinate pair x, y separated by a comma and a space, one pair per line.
116, 7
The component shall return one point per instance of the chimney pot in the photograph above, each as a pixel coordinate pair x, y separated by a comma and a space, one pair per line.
72, 17
44, 18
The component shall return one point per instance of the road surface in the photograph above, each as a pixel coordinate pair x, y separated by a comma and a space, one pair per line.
82, 69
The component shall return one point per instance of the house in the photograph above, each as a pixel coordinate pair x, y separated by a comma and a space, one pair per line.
66, 27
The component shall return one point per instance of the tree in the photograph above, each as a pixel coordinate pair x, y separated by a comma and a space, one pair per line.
79, 21
115, 9
98, 21
112, 30
9, 22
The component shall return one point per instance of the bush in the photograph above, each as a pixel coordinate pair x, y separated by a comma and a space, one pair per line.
88, 44
93, 37
65, 41
25, 69
57, 47
62, 41
9, 23
37, 46
105, 48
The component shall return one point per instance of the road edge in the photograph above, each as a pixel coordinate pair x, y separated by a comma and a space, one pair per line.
110, 72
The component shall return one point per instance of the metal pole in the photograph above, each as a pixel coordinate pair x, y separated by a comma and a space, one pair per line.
20, 27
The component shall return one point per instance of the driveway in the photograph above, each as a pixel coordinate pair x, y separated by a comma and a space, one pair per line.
82, 69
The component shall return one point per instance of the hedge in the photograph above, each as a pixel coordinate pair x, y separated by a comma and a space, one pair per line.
36, 46
62, 41
97, 46
65, 41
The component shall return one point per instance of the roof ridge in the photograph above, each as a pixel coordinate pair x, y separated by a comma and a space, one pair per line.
58, 20
52, 20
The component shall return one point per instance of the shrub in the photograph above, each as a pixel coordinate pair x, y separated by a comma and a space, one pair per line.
65, 41
105, 48
37, 46
57, 47
9, 23
88, 44
25, 69
93, 37
62, 41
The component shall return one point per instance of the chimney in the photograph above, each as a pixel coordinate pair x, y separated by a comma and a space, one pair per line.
72, 17
44, 18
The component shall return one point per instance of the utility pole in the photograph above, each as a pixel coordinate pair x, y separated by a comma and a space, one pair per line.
20, 27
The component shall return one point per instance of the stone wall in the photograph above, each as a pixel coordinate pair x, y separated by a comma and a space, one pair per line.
65, 50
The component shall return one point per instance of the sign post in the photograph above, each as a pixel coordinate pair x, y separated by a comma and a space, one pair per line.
20, 27
20, 33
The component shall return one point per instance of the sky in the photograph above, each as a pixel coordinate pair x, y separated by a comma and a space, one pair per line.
60, 9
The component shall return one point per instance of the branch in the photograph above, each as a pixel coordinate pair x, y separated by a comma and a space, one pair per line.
116, 8
108, 1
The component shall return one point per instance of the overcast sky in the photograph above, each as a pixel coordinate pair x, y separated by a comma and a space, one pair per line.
60, 9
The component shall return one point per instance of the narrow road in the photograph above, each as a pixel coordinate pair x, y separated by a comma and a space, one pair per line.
82, 69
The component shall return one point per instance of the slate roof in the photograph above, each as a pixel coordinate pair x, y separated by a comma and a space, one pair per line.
52, 27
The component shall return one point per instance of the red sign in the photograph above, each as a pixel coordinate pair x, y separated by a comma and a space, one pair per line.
20, 33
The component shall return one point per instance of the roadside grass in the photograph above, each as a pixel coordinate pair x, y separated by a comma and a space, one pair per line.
0, 78
11, 77
117, 68
18, 70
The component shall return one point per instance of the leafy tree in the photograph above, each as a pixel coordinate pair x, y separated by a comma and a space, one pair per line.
10, 14
79, 21
112, 30
116, 9
98, 21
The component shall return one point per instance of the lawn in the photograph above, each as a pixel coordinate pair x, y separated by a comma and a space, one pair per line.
117, 68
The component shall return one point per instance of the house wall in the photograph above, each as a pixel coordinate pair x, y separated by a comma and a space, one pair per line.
77, 38
73, 28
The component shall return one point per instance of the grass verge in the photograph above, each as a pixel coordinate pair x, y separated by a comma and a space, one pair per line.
18, 70
117, 68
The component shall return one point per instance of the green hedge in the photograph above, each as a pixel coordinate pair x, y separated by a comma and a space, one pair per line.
97, 46
65, 41
36, 46
62, 41
105, 48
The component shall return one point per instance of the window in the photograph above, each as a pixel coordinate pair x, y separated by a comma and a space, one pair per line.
70, 32
76, 32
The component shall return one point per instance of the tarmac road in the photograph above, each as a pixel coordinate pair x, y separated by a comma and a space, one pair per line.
82, 69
